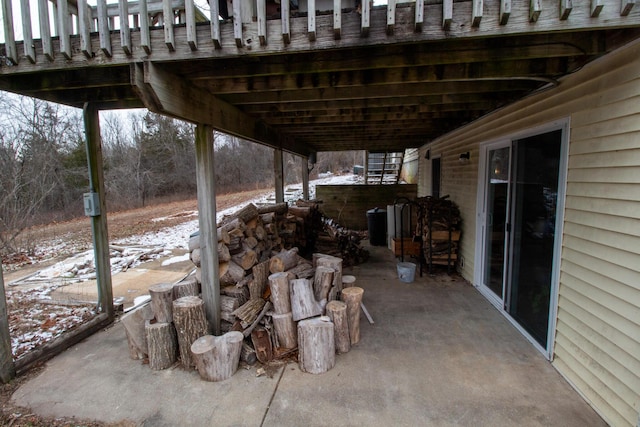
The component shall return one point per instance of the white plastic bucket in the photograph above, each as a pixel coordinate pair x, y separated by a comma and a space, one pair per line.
406, 271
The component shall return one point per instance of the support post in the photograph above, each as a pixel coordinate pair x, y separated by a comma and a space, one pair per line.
7, 368
278, 165
305, 178
98, 222
205, 178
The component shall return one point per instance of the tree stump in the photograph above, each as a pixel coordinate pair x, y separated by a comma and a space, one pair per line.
348, 281
337, 312
161, 302
279, 286
216, 358
322, 283
316, 345
285, 329
134, 327
186, 288
191, 323
283, 261
336, 284
353, 297
303, 303
162, 344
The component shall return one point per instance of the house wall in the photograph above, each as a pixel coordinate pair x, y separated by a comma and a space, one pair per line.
597, 338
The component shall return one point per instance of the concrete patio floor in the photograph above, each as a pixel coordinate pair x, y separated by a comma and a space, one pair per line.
438, 355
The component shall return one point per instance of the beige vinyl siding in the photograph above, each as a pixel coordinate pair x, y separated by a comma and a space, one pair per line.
597, 337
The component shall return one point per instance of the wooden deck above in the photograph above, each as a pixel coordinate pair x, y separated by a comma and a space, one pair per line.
392, 77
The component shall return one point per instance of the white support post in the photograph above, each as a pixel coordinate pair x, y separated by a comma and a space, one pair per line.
366, 18
45, 29
311, 20
84, 27
64, 28
237, 23
305, 177
419, 15
337, 19
284, 15
261, 8
99, 220
167, 13
7, 368
206, 183
103, 27
278, 170
391, 16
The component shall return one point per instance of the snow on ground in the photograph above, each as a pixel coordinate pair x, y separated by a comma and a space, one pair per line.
34, 319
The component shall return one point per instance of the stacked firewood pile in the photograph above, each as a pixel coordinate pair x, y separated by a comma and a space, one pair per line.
342, 242
274, 303
439, 226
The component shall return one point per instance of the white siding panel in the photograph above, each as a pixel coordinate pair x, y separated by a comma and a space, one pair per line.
623, 242
604, 191
606, 175
615, 263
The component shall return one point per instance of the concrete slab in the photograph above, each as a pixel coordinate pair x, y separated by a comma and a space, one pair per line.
438, 354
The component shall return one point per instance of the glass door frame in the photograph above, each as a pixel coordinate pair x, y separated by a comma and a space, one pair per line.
481, 218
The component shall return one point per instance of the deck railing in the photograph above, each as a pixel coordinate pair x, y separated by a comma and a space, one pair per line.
75, 18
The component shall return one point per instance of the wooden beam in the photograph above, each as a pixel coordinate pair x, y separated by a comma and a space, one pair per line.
29, 48
84, 27
169, 94
237, 23
98, 221
596, 7
447, 14
103, 28
626, 6
9, 35
278, 172
311, 20
535, 7
565, 9
7, 368
262, 21
167, 19
419, 19
45, 30
284, 19
145, 37
63, 28
337, 19
125, 31
206, 183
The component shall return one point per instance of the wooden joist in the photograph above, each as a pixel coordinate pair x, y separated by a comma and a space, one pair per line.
311, 20
167, 20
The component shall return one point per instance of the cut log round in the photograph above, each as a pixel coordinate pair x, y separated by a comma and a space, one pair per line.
348, 281
134, 327
353, 297
246, 259
161, 301
322, 282
303, 303
230, 273
248, 354
190, 321
283, 261
316, 345
216, 358
162, 344
279, 286
186, 288
246, 214
285, 329
336, 264
303, 270
278, 208
337, 312
223, 252
260, 279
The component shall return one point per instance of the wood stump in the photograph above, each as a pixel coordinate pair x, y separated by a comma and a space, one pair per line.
191, 323
316, 345
322, 282
337, 312
336, 284
283, 261
279, 285
230, 273
161, 302
162, 344
285, 329
186, 288
353, 297
348, 281
303, 303
260, 279
134, 327
216, 358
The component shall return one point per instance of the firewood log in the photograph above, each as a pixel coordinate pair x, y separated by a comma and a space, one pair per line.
245, 259
348, 281
227, 306
217, 358
134, 327
303, 303
230, 273
336, 264
279, 286
278, 208
161, 302
268, 218
260, 279
249, 311
162, 344
188, 287
322, 283
303, 270
285, 329
316, 345
259, 233
250, 242
190, 322
246, 214
262, 344
300, 212
235, 224
240, 294
352, 297
248, 354
283, 261
337, 312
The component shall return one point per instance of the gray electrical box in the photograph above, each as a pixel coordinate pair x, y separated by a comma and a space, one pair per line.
91, 204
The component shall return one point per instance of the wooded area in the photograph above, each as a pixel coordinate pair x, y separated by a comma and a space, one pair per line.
147, 158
